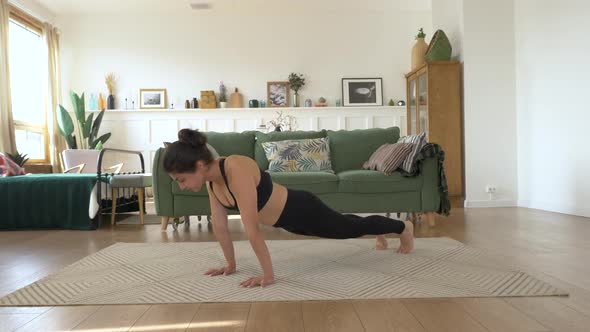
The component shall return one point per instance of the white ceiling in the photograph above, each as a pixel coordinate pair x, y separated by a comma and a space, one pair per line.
130, 7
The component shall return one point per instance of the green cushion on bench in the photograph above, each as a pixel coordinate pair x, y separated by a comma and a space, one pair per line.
131, 180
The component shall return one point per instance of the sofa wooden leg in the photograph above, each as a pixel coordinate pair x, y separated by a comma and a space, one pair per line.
430, 218
165, 222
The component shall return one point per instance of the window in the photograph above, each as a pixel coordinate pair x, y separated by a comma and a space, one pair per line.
27, 85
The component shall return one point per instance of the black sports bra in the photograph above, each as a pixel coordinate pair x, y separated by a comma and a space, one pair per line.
263, 190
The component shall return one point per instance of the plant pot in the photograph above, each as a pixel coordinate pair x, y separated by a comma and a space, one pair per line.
278, 128
111, 102
222, 104
418, 52
295, 100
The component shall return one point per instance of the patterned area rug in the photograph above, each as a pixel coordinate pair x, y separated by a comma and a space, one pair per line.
156, 273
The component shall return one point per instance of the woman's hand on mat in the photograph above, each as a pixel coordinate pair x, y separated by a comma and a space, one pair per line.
255, 281
227, 270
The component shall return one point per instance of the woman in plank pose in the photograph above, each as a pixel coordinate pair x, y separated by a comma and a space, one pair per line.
237, 183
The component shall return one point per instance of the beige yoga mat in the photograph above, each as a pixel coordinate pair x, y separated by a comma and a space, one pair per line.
318, 269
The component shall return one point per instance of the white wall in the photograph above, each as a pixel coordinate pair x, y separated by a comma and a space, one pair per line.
489, 102
189, 51
447, 15
553, 77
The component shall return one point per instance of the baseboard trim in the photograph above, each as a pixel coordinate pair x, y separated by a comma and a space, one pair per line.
488, 204
553, 207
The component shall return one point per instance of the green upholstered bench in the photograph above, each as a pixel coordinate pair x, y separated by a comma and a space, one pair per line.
47, 201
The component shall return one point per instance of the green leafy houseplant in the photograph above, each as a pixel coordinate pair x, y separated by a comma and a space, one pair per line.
19, 159
296, 82
87, 128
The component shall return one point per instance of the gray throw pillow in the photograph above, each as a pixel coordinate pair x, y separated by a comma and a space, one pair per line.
388, 157
418, 141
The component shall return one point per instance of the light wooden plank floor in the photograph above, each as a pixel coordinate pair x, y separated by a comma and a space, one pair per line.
553, 247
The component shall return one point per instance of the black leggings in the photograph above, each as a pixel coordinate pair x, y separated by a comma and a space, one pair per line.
306, 214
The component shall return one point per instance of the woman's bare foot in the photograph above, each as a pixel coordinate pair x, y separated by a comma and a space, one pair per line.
381, 243
406, 239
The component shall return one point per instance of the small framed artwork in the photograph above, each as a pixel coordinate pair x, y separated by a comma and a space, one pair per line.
362, 92
152, 98
277, 94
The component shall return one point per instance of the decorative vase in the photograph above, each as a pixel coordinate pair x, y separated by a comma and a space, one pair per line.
295, 100
93, 103
418, 52
111, 102
101, 103
236, 100
222, 104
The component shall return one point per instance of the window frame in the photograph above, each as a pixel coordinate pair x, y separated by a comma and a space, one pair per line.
36, 26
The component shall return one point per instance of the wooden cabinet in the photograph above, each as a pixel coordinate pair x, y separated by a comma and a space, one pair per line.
434, 107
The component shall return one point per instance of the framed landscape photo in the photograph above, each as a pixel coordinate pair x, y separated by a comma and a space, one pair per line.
152, 98
362, 92
277, 94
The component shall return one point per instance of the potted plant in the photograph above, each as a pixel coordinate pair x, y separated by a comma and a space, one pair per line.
19, 159
222, 96
296, 82
87, 142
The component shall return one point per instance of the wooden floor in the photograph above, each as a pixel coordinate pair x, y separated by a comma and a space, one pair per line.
552, 247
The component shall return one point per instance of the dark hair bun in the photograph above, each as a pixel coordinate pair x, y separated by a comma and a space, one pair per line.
192, 137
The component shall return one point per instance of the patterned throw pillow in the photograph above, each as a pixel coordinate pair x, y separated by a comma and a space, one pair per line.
418, 141
302, 155
388, 157
9, 167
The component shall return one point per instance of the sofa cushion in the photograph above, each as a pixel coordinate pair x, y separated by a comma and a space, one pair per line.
351, 148
274, 136
367, 181
300, 155
316, 182
227, 144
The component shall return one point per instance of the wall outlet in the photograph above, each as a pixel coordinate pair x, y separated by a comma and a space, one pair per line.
490, 189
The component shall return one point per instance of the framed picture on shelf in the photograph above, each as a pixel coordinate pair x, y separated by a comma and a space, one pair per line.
152, 99
277, 94
362, 92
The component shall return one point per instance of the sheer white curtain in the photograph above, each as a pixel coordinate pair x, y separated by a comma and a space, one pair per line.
56, 141
7, 140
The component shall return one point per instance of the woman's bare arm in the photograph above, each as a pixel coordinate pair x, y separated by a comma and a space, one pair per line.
221, 231
243, 186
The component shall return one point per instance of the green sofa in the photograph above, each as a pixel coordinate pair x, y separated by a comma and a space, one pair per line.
349, 190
